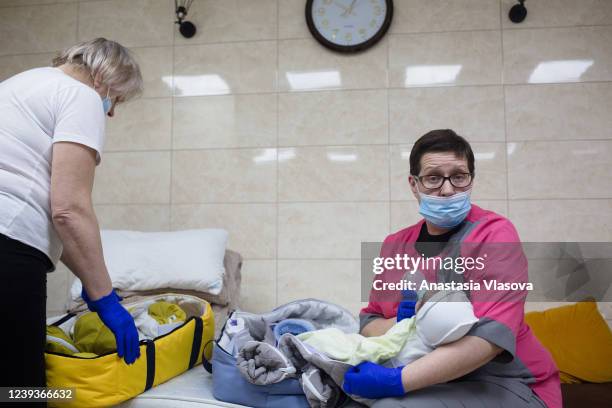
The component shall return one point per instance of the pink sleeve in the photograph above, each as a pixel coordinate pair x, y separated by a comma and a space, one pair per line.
373, 307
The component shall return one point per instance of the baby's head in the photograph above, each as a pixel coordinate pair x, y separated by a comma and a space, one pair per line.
424, 297
443, 317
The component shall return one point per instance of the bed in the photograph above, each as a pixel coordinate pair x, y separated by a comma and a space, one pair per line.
192, 389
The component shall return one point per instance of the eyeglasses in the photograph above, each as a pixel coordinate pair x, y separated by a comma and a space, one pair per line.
459, 180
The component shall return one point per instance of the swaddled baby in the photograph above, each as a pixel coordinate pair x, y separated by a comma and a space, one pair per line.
441, 318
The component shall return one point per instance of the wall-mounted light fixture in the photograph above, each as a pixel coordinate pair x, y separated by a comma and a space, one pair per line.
187, 28
518, 12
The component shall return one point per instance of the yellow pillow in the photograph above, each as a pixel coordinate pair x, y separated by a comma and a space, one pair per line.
579, 340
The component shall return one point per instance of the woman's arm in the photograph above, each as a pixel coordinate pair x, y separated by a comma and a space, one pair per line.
72, 174
378, 327
448, 362
444, 364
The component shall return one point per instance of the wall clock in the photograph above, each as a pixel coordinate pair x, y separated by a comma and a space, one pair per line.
348, 25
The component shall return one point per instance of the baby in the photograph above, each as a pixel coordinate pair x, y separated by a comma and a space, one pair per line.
442, 317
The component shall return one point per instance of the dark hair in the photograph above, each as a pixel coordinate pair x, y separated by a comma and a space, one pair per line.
440, 140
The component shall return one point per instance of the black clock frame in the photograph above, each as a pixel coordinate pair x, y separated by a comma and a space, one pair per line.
349, 48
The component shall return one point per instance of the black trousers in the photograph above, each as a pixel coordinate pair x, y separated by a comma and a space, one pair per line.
23, 304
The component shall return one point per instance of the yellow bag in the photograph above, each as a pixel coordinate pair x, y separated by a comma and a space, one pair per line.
107, 380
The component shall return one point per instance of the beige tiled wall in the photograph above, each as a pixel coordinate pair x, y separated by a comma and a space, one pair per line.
302, 153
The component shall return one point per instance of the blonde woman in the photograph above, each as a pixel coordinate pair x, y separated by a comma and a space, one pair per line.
51, 139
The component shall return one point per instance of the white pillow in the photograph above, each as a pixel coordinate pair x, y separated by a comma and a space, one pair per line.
191, 259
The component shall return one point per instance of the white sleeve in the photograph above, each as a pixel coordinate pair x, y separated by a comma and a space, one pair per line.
80, 118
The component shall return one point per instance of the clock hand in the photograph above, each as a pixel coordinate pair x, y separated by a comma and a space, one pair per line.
343, 7
350, 9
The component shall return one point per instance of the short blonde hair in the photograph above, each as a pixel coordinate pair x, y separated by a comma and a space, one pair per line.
113, 63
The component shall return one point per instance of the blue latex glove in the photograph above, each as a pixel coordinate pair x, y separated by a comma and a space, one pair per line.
407, 306
119, 321
373, 381
87, 300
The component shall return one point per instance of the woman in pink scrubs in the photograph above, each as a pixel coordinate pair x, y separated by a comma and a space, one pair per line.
499, 362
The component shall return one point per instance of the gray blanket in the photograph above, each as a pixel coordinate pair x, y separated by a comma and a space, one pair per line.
261, 361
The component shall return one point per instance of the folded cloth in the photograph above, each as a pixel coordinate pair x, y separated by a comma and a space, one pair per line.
92, 336
321, 377
59, 342
147, 327
157, 319
165, 312
354, 348
261, 363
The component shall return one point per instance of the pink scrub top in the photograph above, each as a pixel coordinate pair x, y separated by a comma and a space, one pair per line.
501, 314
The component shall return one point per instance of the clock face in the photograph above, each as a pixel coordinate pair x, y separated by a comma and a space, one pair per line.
348, 25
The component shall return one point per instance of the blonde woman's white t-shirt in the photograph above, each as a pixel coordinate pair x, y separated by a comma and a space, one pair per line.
40, 107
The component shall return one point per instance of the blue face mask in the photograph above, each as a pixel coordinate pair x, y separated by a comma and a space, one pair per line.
445, 212
107, 104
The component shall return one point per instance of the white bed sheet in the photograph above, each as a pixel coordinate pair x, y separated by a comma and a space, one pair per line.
192, 389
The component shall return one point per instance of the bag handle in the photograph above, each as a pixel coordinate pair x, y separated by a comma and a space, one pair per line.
197, 341
205, 362
150, 364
